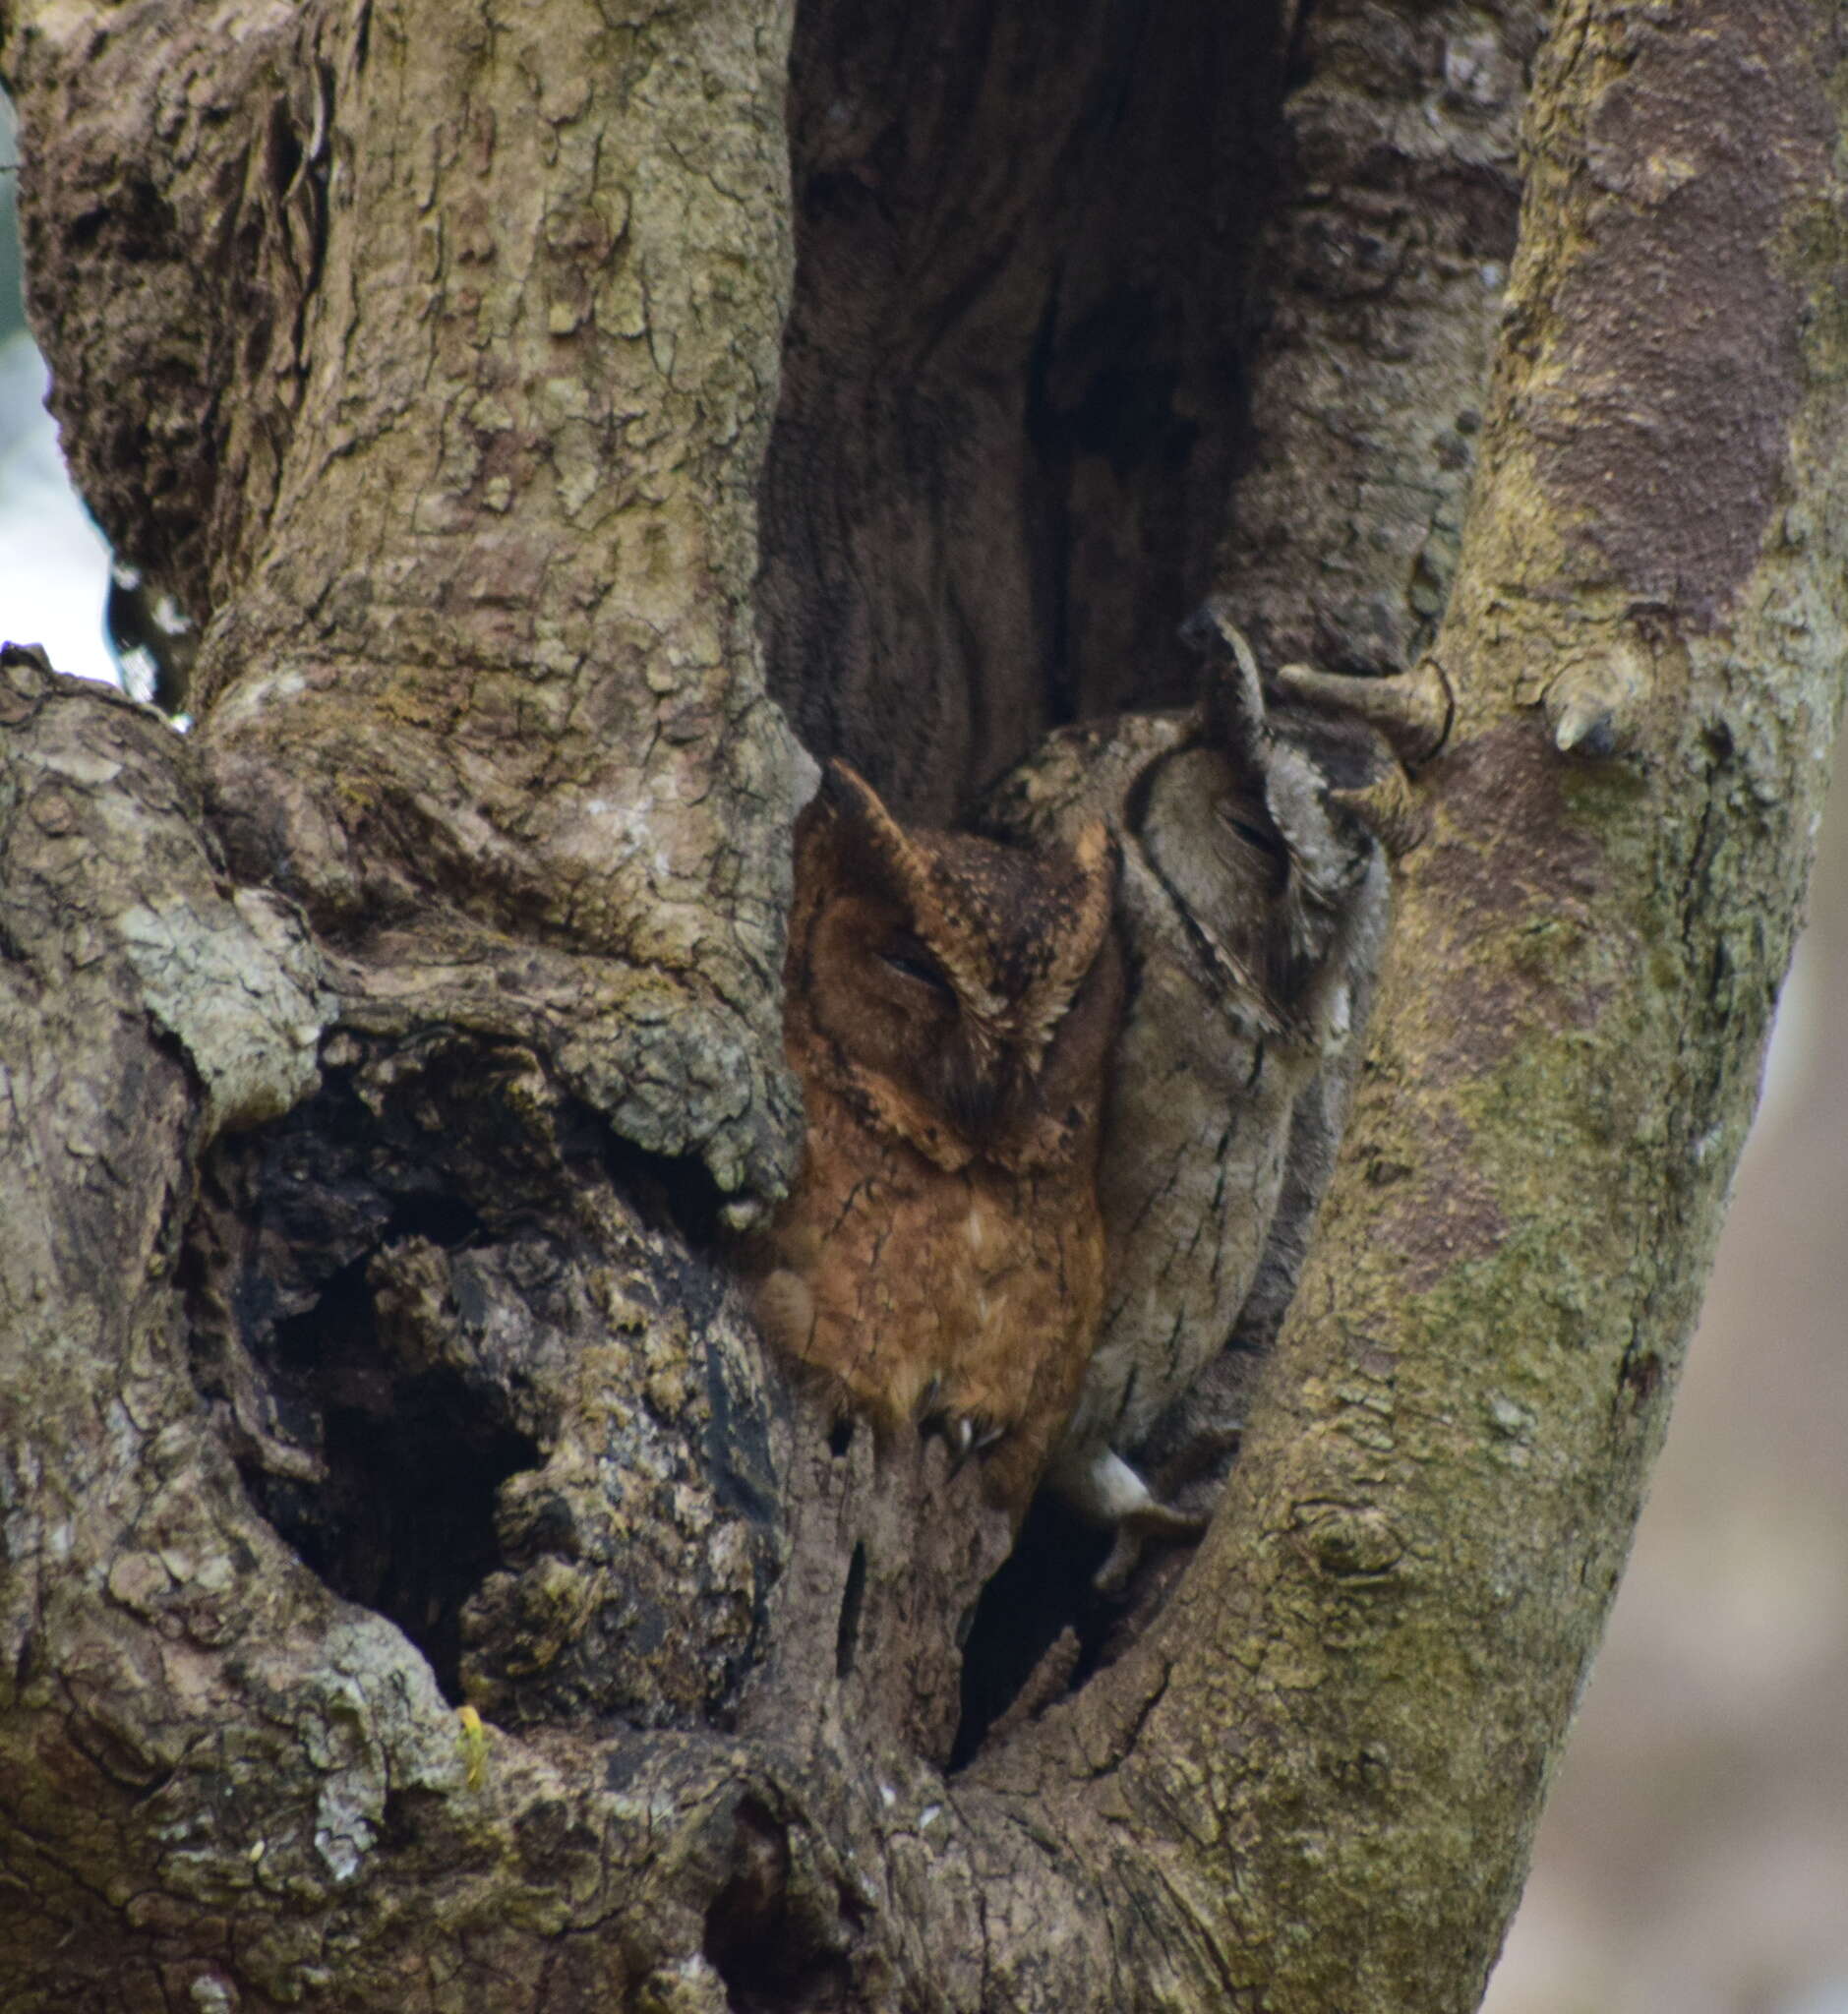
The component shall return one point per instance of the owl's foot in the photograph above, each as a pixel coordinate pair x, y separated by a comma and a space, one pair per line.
968, 1434
1148, 1520
964, 1433
1102, 1488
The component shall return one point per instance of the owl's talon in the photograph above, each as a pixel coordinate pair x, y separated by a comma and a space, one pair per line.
1119, 1563
964, 1434
1152, 1520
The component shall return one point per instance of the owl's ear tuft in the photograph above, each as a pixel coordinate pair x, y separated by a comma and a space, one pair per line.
1231, 689
866, 832
848, 795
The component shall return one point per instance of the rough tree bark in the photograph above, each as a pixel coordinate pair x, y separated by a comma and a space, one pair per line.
385, 1062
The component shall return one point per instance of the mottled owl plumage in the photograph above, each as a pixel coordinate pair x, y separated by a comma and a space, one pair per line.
949, 1007
1252, 904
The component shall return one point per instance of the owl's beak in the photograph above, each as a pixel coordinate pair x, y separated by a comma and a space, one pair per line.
979, 1084
975, 1103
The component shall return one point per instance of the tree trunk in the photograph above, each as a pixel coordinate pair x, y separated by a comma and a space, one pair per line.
387, 1061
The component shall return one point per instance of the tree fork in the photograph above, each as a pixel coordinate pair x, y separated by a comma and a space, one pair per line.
434, 363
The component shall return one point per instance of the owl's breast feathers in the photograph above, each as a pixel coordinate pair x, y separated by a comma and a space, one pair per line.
916, 1291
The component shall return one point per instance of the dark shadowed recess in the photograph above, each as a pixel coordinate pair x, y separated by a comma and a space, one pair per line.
404, 1201
1014, 371
402, 1520
382, 1474
1042, 1590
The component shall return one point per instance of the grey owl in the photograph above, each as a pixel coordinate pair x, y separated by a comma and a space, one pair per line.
1252, 903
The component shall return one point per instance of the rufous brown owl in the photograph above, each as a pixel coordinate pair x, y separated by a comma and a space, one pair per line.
950, 1007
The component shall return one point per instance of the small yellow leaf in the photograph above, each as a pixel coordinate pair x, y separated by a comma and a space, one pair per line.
474, 1738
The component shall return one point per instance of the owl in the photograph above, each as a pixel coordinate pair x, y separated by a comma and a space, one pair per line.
950, 1007
1251, 904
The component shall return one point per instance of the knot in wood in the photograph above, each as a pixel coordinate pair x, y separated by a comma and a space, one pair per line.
1347, 1542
